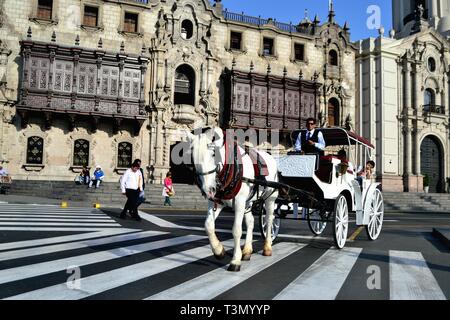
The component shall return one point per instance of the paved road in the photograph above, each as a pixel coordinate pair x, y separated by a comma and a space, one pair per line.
47, 252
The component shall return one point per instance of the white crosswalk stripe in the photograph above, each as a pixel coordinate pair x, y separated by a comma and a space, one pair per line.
220, 280
54, 240
33, 270
323, 280
51, 218
411, 278
75, 245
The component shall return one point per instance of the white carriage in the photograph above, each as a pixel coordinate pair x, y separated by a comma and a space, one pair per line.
326, 189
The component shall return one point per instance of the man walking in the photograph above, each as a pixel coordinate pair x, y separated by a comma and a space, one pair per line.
131, 186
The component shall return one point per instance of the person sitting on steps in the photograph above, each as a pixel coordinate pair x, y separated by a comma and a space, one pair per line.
97, 178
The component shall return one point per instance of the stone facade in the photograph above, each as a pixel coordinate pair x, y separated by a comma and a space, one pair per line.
403, 94
182, 49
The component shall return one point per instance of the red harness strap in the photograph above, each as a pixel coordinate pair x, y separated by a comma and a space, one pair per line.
230, 177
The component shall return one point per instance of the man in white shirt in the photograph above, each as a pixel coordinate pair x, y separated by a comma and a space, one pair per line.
131, 186
312, 140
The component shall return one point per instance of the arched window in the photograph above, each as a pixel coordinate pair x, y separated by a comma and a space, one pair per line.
333, 58
184, 85
429, 98
333, 112
35, 150
124, 155
187, 29
431, 64
81, 152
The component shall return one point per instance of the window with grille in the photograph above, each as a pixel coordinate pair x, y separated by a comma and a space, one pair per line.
236, 40
90, 16
124, 155
81, 153
109, 81
268, 47
130, 23
39, 74
35, 150
63, 76
44, 10
299, 51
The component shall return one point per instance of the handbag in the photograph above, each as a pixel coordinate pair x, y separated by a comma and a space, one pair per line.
170, 193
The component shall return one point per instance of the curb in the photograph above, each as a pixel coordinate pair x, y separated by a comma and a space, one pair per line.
441, 235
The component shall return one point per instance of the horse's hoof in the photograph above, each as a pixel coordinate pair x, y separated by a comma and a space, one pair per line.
246, 257
267, 252
234, 267
221, 255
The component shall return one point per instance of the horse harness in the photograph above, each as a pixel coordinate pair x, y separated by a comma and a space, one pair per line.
230, 178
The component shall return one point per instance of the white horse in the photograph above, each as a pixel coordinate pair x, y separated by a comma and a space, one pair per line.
206, 148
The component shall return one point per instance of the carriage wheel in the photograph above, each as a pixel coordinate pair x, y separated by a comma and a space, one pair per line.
376, 214
316, 227
276, 223
340, 223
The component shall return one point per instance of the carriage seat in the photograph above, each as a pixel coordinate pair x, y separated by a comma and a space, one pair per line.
325, 168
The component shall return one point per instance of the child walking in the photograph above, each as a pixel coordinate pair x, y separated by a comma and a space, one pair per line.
168, 189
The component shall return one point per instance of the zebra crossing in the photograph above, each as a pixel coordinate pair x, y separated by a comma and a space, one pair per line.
21, 217
165, 265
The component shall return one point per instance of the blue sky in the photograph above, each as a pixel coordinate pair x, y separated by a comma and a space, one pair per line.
353, 11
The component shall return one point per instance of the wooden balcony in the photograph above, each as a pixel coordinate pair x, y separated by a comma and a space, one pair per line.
81, 82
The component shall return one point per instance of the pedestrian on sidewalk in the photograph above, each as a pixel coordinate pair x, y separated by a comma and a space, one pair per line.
168, 191
131, 186
97, 177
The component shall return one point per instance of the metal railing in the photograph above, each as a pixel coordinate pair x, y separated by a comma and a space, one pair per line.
258, 21
432, 108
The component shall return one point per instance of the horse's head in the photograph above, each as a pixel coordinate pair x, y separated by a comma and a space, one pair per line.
204, 147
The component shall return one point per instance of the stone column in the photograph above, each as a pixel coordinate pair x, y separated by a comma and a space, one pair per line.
417, 89
408, 154
407, 86
444, 95
416, 168
406, 110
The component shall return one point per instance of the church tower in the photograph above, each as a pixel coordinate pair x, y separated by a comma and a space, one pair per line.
405, 14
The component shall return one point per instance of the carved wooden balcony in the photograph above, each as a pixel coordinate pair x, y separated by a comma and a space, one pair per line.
81, 82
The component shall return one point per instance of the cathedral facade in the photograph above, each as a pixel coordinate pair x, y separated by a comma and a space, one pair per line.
403, 96
101, 82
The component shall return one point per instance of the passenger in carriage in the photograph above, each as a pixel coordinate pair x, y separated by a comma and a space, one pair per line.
366, 172
310, 141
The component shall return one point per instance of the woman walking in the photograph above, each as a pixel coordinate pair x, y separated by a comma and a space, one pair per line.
168, 189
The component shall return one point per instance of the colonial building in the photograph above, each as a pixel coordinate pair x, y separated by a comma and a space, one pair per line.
100, 82
403, 96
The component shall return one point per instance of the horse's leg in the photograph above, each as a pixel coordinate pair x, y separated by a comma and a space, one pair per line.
239, 209
248, 246
216, 246
270, 206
